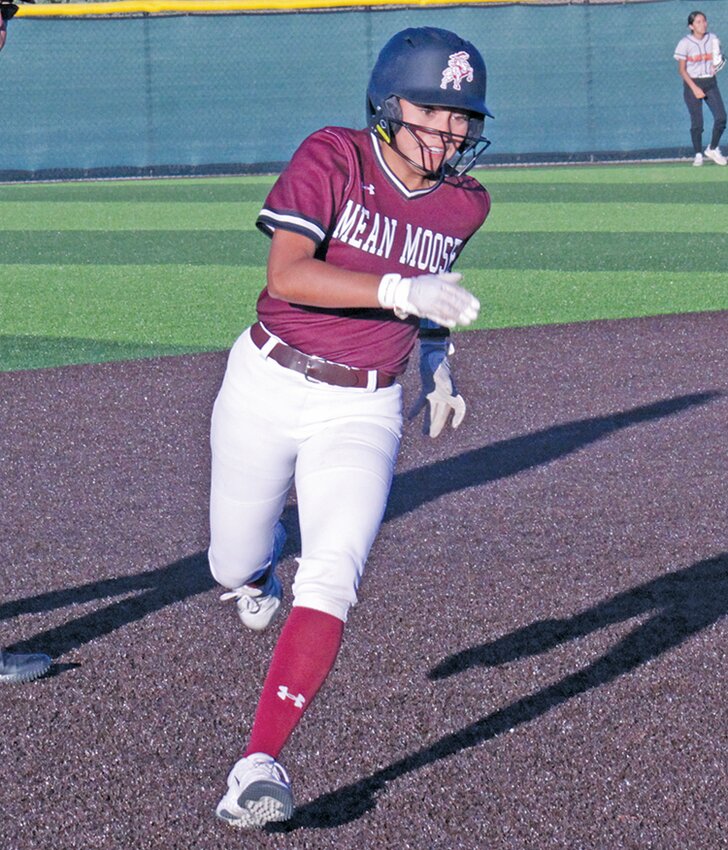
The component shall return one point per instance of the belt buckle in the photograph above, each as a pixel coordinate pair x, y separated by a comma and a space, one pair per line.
311, 362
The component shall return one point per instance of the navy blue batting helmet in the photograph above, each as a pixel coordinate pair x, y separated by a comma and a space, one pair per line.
430, 67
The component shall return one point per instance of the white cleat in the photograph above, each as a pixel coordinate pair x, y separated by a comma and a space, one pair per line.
698, 159
259, 792
716, 156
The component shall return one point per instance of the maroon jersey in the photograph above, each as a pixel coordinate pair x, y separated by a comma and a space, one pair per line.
339, 192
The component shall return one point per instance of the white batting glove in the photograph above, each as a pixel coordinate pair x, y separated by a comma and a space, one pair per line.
429, 296
438, 388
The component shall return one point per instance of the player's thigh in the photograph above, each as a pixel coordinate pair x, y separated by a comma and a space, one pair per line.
252, 463
343, 478
695, 107
248, 492
715, 104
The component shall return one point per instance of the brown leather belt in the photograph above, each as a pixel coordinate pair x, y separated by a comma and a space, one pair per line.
316, 369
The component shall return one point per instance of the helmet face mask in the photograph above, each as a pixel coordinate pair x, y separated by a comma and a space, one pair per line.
468, 148
435, 68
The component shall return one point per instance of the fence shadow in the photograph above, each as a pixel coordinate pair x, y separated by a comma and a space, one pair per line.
143, 594
682, 603
151, 591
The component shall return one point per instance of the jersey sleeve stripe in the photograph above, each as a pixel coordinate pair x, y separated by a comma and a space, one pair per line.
269, 220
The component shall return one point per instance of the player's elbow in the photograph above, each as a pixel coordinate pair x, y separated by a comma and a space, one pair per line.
286, 279
278, 285
287, 265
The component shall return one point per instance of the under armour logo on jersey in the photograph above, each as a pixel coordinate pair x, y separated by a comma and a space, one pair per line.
284, 694
368, 187
458, 69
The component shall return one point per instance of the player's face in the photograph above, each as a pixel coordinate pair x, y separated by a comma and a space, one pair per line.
699, 25
432, 135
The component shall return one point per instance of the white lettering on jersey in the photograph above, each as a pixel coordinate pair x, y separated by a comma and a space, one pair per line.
454, 251
354, 239
411, 244
370, 246
390, 228
346, 221
437, 241
352, 225
423, 249
429, 251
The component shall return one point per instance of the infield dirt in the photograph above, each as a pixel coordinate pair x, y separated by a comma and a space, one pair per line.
538, 659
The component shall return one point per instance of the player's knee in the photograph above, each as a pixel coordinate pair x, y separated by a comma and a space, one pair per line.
328, 582
217, 567
229, 572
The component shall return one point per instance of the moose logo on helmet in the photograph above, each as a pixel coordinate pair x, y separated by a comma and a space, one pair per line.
458, 69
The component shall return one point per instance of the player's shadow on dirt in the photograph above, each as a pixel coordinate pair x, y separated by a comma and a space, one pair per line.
415, 487
151, 591
681, 604
143, 594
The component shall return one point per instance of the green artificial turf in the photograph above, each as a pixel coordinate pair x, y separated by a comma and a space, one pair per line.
115, 270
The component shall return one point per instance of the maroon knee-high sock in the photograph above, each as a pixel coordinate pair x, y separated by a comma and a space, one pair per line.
304, 655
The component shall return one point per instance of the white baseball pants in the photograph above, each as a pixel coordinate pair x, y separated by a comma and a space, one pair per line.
272, 426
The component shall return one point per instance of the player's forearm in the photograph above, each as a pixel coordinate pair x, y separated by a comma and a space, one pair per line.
687, 79
319, 284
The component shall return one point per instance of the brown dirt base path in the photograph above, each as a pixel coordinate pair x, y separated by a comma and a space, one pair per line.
538, 659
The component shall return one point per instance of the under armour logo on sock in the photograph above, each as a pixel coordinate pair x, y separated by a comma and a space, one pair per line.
284, 694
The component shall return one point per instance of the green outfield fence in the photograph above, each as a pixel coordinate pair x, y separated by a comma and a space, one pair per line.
173, 88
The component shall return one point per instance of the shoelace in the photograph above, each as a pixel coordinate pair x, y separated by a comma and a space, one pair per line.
277, 770
250, 603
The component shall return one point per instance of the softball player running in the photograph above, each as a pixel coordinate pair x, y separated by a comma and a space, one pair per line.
365, 226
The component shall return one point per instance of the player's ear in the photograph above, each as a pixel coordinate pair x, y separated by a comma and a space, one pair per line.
393, 108
388, 118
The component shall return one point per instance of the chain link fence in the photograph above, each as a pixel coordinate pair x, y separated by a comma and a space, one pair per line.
145, 95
